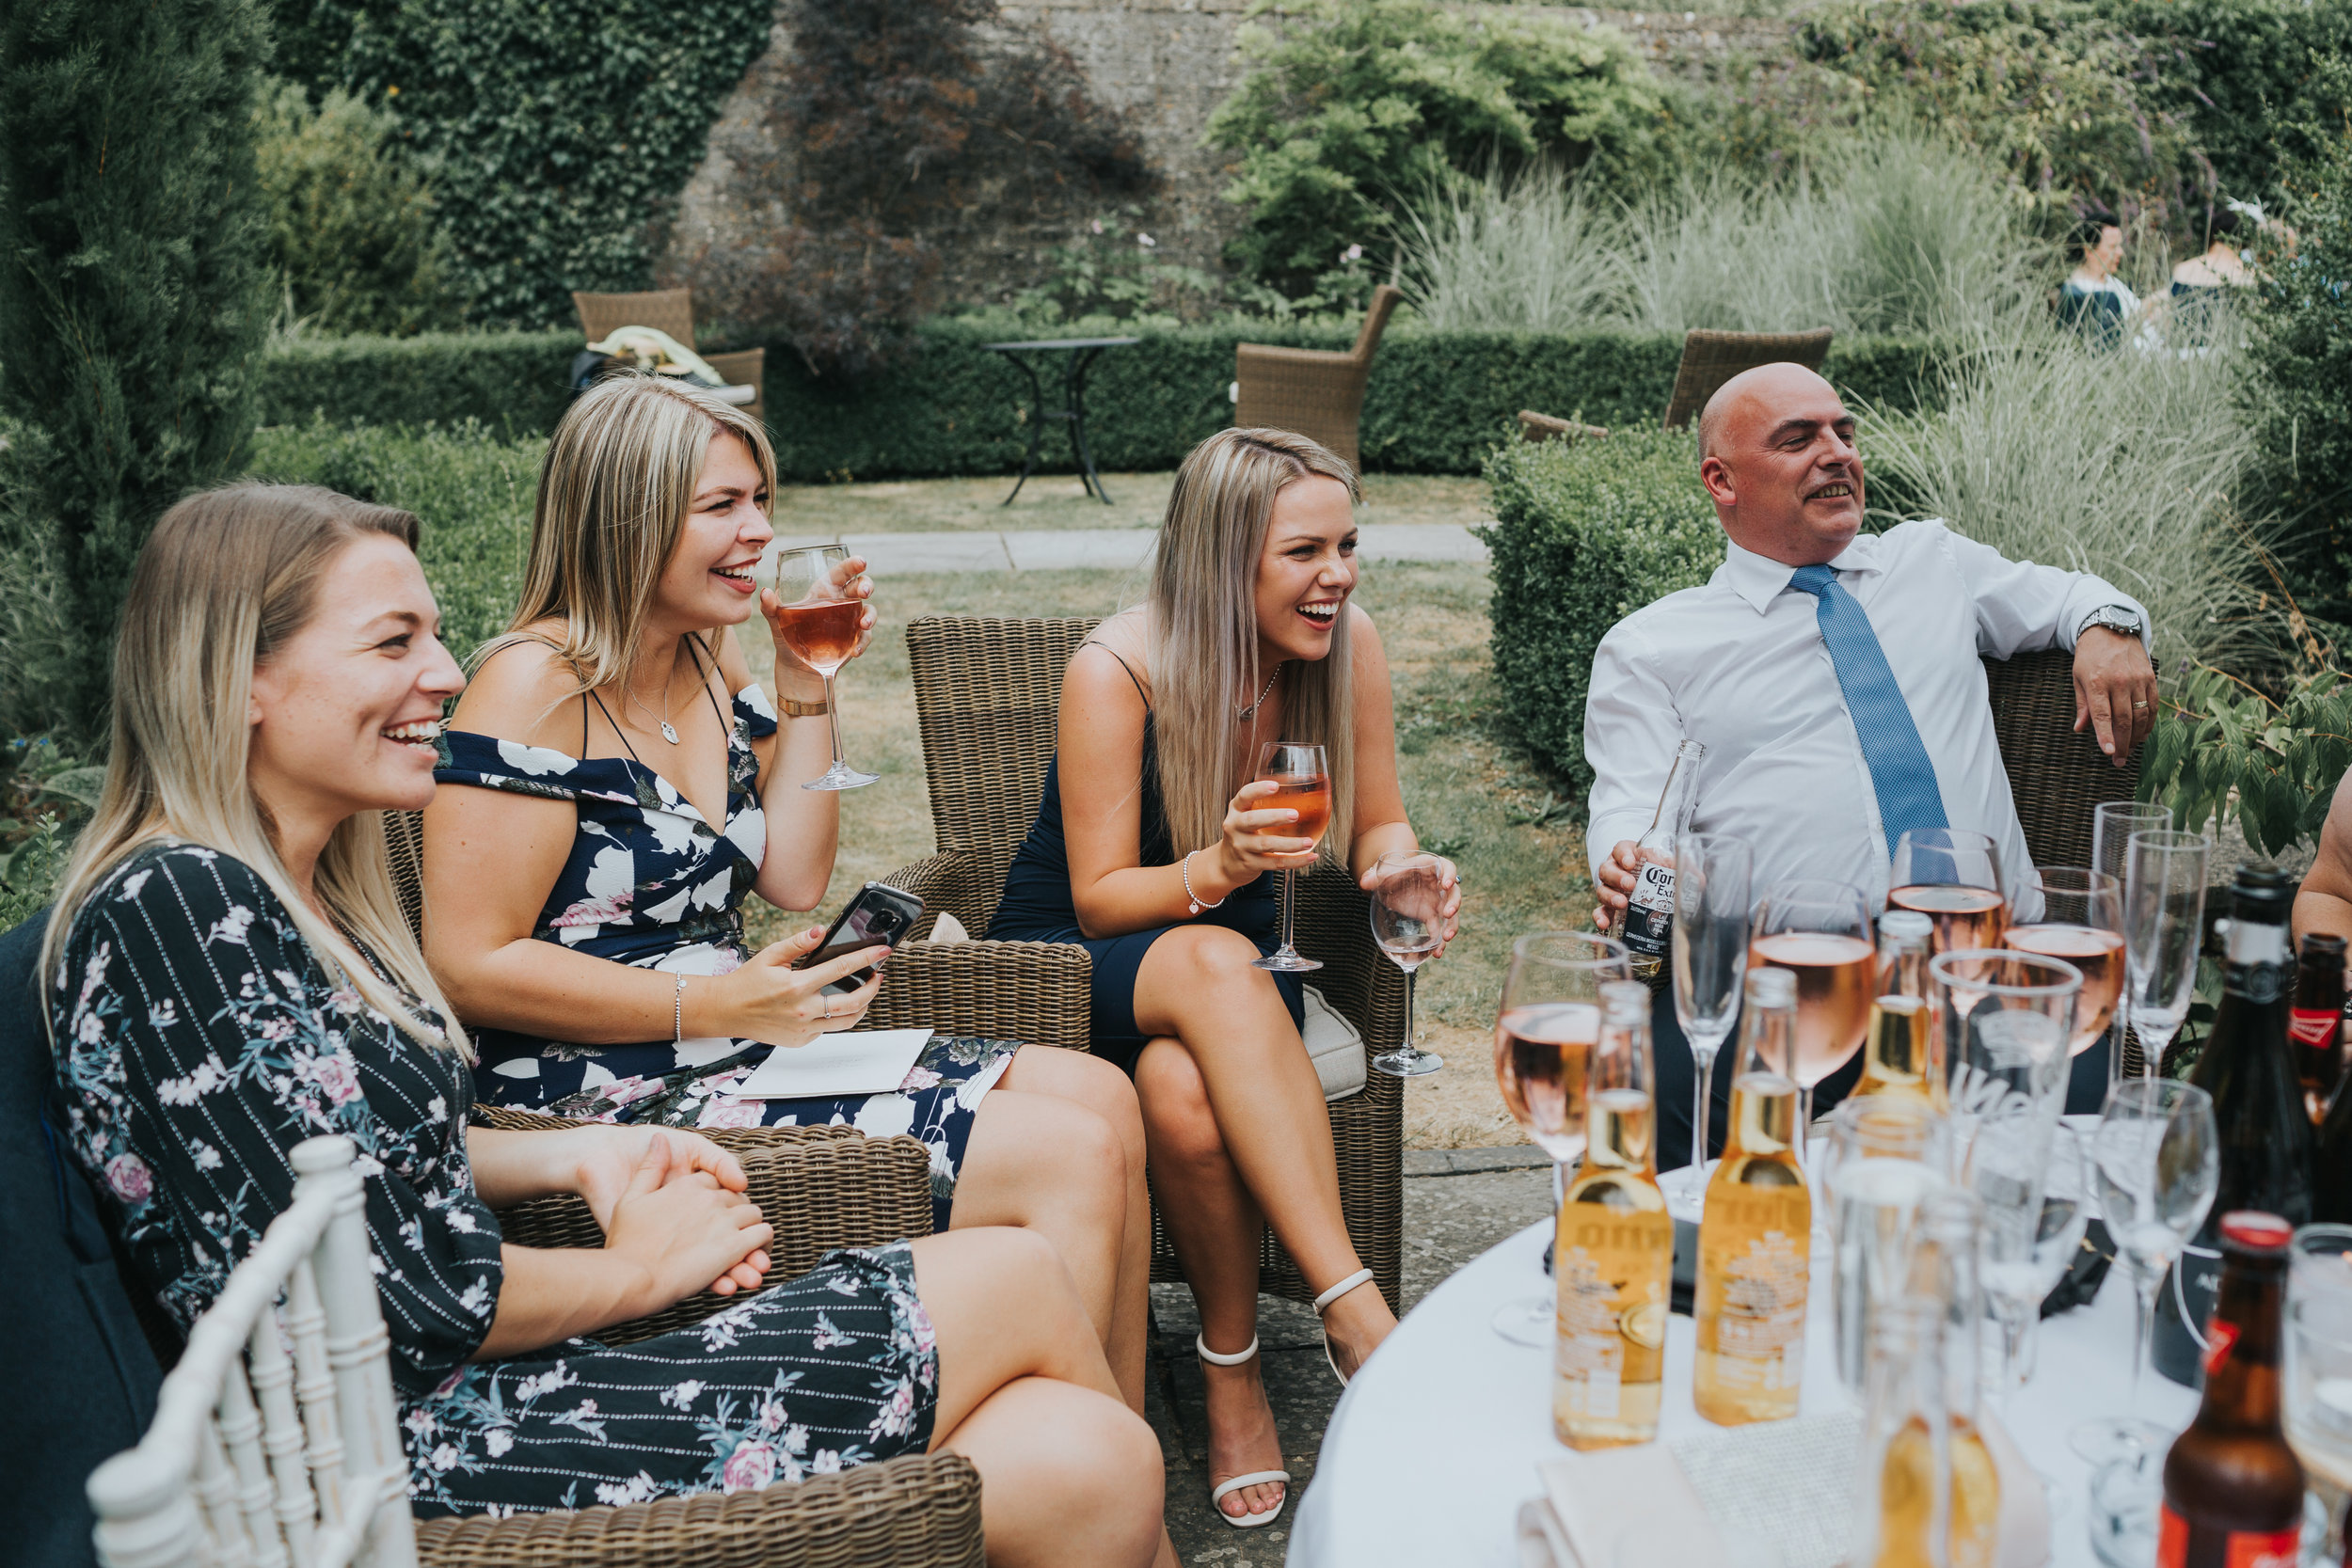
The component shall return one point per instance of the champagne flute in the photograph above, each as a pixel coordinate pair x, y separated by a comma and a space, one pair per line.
1953, 876
2318, 1370
2082, 922
2156, 1159
1544, 1040
818, 617
1821, 930
1408, 923
2112, 825
2164, 926
1301, 777
1710, 958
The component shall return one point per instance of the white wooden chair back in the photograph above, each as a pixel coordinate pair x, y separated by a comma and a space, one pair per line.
260, 1457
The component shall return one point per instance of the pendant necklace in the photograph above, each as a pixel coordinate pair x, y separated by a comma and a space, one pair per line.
1250, 712
668, 732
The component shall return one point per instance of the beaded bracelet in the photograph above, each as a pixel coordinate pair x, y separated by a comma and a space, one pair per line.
677, 1013
1192, 900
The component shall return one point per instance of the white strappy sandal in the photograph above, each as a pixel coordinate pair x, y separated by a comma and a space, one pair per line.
1361, 1277
1223, 1489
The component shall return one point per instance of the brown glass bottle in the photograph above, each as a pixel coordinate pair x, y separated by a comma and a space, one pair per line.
2316, 1026
2232, 1489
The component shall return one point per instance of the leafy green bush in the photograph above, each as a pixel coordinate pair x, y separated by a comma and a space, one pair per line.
1584, 535
1352, 103
471, 491
2224, 749
516, 382
353, 228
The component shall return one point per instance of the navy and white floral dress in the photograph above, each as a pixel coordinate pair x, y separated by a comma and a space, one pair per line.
199, 1041
650, 883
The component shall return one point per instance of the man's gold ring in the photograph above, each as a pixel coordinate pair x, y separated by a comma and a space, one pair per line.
2140, 707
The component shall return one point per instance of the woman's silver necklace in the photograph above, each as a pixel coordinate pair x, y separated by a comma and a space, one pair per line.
668, 732
1246, 714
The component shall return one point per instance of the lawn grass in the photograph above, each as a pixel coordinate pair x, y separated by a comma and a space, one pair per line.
1050, 502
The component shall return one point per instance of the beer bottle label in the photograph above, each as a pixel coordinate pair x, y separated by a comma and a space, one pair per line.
2220, 1334
2239, 1549
2314, 1028
1649, 918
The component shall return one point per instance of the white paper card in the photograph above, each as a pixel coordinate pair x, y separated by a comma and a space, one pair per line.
856, 1061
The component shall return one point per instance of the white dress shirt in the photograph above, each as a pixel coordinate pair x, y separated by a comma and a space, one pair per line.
1740, 666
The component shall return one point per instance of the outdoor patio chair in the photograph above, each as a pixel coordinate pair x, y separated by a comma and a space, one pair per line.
671, 311
1535, 429
1317, 392
986, 694
1711, 358
258, 1456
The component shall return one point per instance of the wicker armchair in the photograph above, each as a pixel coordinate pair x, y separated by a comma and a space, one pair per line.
986, 694
1316, 392
671, 311
1711, 358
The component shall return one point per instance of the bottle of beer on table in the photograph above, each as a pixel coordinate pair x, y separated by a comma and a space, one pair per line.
1922, 1474
1901, 1053
2317, 1022
2232, 1488
1755, 1233
1614, 1250
2266, 1134
1649, 916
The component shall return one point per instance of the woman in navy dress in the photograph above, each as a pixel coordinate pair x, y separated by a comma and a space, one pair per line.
628, 785
230, 974
1154, 850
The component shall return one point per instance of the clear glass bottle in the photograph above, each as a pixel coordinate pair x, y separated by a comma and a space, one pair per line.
1755, 1232
1901, 1052
1928, 1498
1649, 916
1614, 1248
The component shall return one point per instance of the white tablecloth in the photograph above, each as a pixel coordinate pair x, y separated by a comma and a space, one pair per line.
1434, 1446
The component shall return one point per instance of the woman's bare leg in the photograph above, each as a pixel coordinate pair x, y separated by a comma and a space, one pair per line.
1068, 1475
1198, 984
1215, 1225
1101, 1088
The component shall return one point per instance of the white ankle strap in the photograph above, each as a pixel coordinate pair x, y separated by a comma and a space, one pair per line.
1361, 1277
1249, 1354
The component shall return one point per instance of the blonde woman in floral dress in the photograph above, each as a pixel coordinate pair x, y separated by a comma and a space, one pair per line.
229, 974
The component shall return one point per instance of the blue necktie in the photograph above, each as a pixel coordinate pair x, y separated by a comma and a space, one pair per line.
1891, 748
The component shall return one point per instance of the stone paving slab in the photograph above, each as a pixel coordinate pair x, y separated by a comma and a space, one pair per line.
1104, 548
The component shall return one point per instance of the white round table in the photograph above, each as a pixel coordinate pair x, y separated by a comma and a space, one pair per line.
1434, 1443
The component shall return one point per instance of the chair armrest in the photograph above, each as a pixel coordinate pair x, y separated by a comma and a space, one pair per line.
1038, 992
1267, 356
944, 882
917, 1510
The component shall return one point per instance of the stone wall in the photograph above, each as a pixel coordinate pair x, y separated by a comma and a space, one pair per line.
1167, 64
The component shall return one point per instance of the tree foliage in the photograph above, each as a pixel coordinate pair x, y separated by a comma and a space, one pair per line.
132, 296
2225, 749
354, 230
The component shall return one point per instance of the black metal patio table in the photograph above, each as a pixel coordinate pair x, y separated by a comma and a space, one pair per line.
1082, 353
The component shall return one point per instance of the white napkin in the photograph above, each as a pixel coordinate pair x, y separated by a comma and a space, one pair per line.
856, 1061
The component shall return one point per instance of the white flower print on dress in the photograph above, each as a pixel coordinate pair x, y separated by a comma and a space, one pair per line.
678, 1396
638, 1488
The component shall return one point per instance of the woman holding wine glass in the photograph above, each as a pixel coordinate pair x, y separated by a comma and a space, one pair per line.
1162, 817
629, 783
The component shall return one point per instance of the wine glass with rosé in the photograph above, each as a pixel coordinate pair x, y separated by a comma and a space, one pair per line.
1544, 1040
819, 616
1953, 876
2082, 922
1301, 777
1821, 930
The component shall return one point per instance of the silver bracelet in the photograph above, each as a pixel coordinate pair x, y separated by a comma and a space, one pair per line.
1192, 900
677, 1013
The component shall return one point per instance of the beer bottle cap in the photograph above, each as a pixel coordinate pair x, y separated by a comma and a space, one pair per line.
2262, 893
2256, 1231
2323, 942
1907, 925
1772, 988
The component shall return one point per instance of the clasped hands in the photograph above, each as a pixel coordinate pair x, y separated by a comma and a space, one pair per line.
1253, 842
671, 1205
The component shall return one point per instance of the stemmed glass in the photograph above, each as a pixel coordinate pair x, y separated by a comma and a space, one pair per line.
2164, 926
1301, 776
2318, 1370
1953, 876
2156, 1159
817, 616
2112, 825
1544, 1040
1408, 924
2033, 1229
1821, 930
1710, 958
2082, 922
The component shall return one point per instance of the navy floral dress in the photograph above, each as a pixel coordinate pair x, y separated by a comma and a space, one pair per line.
199, 1041
650, 883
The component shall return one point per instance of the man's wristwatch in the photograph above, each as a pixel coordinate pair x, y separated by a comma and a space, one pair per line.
2120, 619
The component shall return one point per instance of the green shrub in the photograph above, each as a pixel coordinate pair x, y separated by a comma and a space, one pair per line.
519, 383
1584, 535
2224, 750
471, 491
352, 225
1352, 103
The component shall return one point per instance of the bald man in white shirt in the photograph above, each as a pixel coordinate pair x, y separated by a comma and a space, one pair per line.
1834, 677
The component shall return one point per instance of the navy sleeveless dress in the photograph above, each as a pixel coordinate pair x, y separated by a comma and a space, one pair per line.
1037, 907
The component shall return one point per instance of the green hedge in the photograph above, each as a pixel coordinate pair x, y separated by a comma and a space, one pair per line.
1436, 403
1584, 535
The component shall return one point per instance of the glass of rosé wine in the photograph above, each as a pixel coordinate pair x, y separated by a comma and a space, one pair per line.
1301, 776
819, 615
2082, 923
1821, 930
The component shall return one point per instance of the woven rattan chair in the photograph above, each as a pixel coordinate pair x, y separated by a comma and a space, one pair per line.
1711, 358
986, 696
1316, 392
671, 311
1535, 429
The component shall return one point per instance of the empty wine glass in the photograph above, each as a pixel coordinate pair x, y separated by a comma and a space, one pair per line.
819, 616
1301, 776
1821, 930
2033, 1225
1408, 922
1711, 958
1544, 1040
1953, 876
2155, 1159
2164, 926
2112, 825
2082, 922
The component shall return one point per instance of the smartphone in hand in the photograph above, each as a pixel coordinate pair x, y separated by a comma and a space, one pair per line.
880, 916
